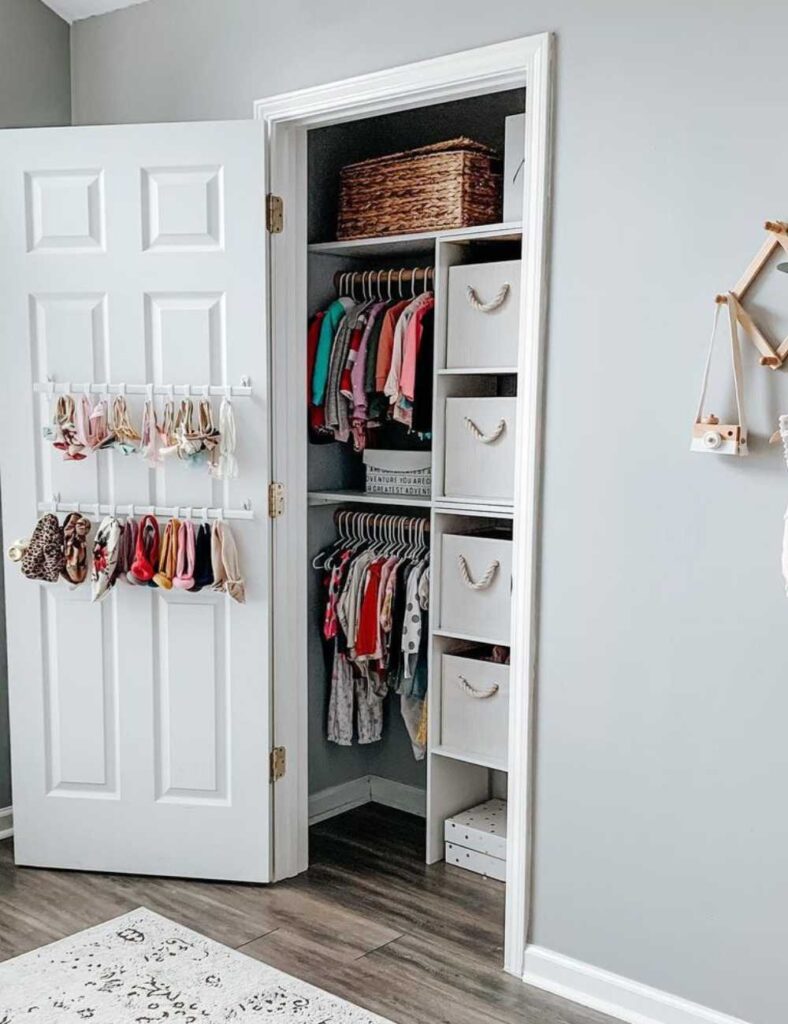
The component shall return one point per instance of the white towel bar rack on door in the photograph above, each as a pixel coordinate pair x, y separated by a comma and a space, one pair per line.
94, 510
51, 387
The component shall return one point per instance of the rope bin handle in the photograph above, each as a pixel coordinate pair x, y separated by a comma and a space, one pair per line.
479, 434
486, 307
469, 690
485, 582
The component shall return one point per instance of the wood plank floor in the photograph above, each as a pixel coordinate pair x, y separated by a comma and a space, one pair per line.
368, 921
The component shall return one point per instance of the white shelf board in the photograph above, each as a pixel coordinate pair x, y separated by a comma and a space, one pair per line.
416, 244
362, 497
445, 506
448, 634
456, 755
368, 248
477, 371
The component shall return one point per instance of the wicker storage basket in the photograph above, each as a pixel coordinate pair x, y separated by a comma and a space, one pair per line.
452, 184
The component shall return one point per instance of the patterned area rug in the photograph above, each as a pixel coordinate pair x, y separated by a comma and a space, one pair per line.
142, 969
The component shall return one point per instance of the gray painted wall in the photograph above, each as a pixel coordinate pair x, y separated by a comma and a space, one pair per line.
35, 90
34, 66
661, 835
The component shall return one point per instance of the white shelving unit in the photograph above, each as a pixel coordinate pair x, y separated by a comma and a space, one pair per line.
455, 779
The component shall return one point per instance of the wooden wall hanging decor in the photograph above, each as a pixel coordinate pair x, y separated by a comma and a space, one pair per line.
771, 355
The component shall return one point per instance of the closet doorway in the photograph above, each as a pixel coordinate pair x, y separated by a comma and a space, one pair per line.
421, 766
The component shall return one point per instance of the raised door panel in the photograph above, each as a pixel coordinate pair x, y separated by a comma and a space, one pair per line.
69, 337
186, 342
183, 208
80, 696
192, 701
64, 211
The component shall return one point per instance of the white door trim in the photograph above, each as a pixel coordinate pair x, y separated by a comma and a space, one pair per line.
519, 62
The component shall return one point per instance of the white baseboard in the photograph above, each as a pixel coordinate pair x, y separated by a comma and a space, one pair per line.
397, 794
6, 822
369, 788
613, 994
337, 799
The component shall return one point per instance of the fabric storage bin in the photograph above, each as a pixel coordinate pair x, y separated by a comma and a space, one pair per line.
481, 828
476, 587
452, 184
474, 708
396, 472
483, 315
479, 449
479, 863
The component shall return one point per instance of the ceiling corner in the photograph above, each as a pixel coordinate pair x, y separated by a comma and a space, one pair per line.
60, 9
77, 10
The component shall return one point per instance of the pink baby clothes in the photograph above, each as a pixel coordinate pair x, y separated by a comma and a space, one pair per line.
410, 347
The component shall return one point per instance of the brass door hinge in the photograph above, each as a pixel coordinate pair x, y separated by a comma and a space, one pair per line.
274, 213
278, 763
276, 500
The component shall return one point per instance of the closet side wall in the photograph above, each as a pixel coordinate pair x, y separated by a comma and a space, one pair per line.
35, 91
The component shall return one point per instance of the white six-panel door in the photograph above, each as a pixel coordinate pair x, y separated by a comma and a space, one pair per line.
139, 726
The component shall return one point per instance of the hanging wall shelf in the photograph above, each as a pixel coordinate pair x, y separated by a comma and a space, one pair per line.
771, 355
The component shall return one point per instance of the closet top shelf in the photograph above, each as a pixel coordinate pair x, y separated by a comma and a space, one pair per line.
418, 244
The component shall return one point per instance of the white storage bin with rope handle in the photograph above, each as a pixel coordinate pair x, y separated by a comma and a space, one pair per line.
479, 447
474, 710
476, 587
483, 315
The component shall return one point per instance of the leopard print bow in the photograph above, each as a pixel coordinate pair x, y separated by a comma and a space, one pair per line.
44, 558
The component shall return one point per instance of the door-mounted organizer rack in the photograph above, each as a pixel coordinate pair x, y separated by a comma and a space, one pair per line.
51, 387
94, 510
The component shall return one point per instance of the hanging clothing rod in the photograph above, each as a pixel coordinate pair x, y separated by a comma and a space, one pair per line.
95, 510
197, 390
379, 520
382, 282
